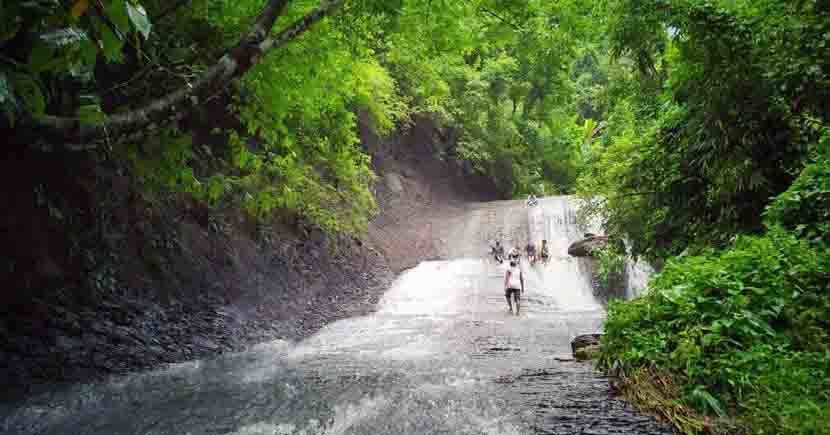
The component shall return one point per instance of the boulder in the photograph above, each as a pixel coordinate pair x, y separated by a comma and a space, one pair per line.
584, 247
585, 340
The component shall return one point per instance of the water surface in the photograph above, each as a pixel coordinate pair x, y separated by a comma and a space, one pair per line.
441, 355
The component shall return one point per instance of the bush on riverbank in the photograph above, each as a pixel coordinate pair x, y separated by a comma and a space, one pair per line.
744, 332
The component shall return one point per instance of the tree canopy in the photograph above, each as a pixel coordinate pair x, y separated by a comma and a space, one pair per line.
124, 73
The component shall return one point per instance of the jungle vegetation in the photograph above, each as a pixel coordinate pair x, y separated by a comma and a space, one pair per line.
695, 130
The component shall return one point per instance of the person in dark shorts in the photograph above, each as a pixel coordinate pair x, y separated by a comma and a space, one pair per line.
544, 253
514, 285
498, 252
530, 250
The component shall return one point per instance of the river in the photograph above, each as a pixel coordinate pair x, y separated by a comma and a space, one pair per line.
441, 355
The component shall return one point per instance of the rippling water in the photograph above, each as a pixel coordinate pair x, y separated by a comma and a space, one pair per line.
441, 355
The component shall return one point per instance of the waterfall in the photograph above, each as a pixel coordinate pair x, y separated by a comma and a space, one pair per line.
567, 279
637, 275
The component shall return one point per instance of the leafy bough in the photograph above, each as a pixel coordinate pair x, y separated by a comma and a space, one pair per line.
75, 134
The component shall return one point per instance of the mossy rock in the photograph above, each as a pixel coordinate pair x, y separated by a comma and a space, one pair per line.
583, 340
587, 353
587, 246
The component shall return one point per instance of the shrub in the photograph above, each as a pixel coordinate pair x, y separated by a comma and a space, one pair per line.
805, 207
744, 331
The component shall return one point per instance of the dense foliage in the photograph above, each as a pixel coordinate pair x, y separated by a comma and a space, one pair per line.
713, 112
745, 330
804, 208
495, 73
715, 151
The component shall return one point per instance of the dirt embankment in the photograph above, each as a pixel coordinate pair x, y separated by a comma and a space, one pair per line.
97, 280
422, 192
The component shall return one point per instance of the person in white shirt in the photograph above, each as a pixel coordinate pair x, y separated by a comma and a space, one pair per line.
514, 285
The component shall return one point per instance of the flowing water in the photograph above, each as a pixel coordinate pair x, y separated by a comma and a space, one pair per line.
441, 355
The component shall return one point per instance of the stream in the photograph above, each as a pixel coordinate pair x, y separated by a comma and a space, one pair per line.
441, 355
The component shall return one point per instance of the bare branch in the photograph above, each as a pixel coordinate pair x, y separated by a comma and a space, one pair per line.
300, 26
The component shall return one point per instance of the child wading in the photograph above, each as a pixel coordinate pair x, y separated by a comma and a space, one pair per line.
514, 285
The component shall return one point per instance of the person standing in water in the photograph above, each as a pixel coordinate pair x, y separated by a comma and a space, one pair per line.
544, 253
514, 285
498, 252
530, 250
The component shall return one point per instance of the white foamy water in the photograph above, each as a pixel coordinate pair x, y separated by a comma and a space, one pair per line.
566, 279
638, 274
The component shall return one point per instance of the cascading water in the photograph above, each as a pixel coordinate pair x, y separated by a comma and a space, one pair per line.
558, 223
568, 279
440, 355
637, 275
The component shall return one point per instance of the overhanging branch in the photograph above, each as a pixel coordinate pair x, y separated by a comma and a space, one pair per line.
502, 19
74, 134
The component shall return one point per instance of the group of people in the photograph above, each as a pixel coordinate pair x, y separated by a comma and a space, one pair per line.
514, 254
514, 283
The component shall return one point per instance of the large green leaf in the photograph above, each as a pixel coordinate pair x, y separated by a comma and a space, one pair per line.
139, 18
88, 53
117, 12
30, 91
111, 44
40, 56
90, 113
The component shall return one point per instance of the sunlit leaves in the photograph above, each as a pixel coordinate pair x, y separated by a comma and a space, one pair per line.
303, 153
376, 92
64, 37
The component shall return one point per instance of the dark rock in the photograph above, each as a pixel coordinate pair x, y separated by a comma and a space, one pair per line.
586, 246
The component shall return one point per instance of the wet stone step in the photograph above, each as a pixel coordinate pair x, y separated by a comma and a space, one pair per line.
578, 401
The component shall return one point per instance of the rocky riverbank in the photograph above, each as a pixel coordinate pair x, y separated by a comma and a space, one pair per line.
100, 280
